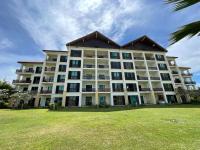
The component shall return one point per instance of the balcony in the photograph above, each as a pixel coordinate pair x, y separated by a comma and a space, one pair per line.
152, 68
47, 80
51, 60
89, 77
150, 58
142, 78
145, 89
59, 92
157, 89
88, 89
104, 89
189, 82
174, 72
89, 56
88, 66
177, 81
118, 90
140, 67
186, 74
103, 66
45, 91
33, 92
155, 78
102, 77
139, 58
52, 69
30, 70
21, 81
102, 56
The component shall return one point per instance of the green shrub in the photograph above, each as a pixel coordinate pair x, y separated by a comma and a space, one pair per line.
4, 104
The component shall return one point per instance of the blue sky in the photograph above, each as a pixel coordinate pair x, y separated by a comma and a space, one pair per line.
28, 27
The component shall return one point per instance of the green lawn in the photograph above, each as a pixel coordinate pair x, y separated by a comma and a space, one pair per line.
164, 127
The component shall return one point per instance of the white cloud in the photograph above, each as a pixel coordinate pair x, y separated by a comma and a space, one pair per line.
53, 23
5, 43
188, 51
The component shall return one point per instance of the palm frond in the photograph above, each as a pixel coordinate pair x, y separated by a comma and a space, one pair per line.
188, 30
180, 4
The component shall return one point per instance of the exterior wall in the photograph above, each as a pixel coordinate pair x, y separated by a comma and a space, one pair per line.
146, 97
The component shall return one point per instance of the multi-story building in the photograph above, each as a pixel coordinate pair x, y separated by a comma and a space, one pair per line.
97, 71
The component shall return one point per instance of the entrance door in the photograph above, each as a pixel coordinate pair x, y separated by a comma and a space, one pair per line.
102, 100
88, 100
142, 99
133, 100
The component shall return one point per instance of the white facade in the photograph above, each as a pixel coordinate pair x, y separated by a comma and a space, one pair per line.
98, 75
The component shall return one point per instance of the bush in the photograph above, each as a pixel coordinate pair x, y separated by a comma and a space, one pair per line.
4, 104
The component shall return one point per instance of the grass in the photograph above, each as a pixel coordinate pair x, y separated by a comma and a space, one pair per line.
158, 127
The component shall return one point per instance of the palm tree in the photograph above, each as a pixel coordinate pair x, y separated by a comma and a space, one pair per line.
188, 30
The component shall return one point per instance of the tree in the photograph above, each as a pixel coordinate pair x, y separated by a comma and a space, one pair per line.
188, 30
19, 100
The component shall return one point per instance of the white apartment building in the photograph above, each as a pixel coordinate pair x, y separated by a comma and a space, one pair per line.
97, 71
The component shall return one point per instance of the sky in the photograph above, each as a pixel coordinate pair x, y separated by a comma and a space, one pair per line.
29, 26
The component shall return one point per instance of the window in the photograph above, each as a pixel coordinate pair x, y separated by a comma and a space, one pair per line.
73, 87
168, 87
36, 80
62, 68
127, 56
75, 53
74, 75
75, 63
131, 87
116, 76
162, 66
102, 88
171, 99
59, 89
61, 78
119, 100
88, 100
114, 55
117, 87
38, 70
63, 58
129, 76
160, 57
128, 65
115, 65
34, 89
72, 101
165, 76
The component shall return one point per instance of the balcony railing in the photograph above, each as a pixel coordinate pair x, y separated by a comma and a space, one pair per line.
45, 91
89, 56
25, 71
145, 89
142, 78
104, 89
140, 67
152, 68
88, 66
51, 59
177, 81
103, 77
47, 80
103, 66
88, 89
21, 81
155, 78
139, 58
190, 82
102, 56
59, 92
89, 77
157, 89
186, 74
150, 58
118, 90
174, 72
52, 69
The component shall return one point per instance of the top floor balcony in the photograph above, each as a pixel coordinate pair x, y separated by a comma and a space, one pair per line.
29, 70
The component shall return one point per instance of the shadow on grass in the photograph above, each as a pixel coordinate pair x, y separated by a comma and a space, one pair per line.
122, 108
